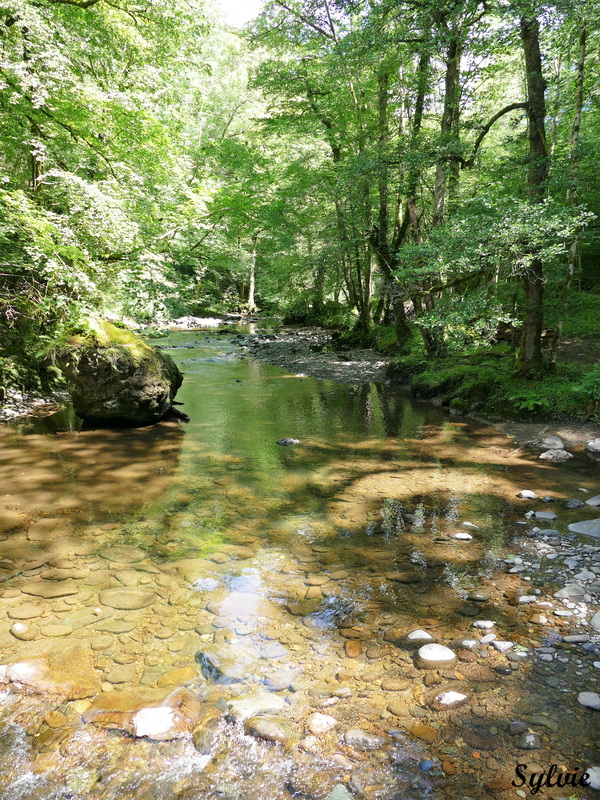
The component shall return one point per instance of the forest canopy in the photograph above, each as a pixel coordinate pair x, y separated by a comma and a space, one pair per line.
421, 175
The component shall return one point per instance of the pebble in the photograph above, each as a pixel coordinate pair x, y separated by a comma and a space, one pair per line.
589, 700
529, 741
502, 646
432, 656
483, 624
419, 635
527, 494
26, 633
321, 723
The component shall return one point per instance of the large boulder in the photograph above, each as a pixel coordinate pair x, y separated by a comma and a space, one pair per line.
114, 375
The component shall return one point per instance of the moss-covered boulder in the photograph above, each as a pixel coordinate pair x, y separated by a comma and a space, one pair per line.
114, 375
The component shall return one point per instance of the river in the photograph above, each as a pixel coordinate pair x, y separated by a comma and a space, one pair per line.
203, 577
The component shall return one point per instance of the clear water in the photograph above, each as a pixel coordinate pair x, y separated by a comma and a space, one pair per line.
275, 559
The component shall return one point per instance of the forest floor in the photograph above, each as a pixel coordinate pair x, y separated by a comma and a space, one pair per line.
313, 351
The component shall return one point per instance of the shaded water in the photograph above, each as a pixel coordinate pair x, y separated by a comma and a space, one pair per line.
268, 572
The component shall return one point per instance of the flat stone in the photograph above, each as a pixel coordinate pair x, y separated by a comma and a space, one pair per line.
56, 631
502, 646
158, 714
26, 611
51, 589
63, 670
403, 577
595, 621
529, 741
255, 704
593, 501
122, 673
395, 684
225, 663
463, 537
570, 591
588, 527
483, 624
424, 732
10, 520
589, 700
127, 599
545, 515
178, 677
449, 697
433, 656
281, 680
116, 626
123, 554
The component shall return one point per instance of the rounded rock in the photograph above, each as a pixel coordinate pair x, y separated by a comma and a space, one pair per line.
127, 599
435, 656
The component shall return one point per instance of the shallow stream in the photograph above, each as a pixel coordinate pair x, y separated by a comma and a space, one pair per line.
202, 578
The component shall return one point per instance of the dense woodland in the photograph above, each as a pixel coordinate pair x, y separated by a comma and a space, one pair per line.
419, 174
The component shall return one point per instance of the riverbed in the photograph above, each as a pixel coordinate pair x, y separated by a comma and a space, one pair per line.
197, 611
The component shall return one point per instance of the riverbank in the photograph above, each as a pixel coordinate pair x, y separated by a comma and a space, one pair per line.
313, 352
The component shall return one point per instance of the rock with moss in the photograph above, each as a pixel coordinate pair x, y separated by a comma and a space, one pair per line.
114, 375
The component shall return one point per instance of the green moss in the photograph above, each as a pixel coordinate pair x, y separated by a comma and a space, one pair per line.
107, 334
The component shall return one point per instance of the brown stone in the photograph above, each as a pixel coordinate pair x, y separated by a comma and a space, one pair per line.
56, 719
394, 684
158, 714
448, 768
403, 577
499, 784
352, 648
63, 670
424, 732
481, 740
178, 677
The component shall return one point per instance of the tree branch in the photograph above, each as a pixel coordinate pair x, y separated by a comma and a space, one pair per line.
306, 20
486, 129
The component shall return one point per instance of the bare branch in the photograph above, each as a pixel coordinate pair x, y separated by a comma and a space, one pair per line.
486, 129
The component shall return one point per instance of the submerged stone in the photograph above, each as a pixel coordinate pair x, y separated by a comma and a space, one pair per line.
158, 714
127, 599
433, 656
67, 671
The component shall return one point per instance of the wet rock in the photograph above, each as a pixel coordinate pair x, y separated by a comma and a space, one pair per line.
480, 739
116, 626
25, 611
50, 589
10, 520
463, 537
178, 677
270, 728
436, 656
403, 577
225, 664
123, 554
361, 740
478, 597
399, 708
114, 374
419, 636
352, 648
24, 632
483, 624
288, 442
529, 741
122, 673
593, 773
424, 732
67, 671
158, 714
589, 700
256, 704
206, 728
588, 527
394, 684
450, 696
502, 646
127, 599
56, 631
339, 792
320, 723
281, 680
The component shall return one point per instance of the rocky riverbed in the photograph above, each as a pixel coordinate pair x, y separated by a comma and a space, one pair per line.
372, 612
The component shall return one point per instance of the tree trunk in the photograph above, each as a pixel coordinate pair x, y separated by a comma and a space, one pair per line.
530, 356
573, 196
252, 276
447, 165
